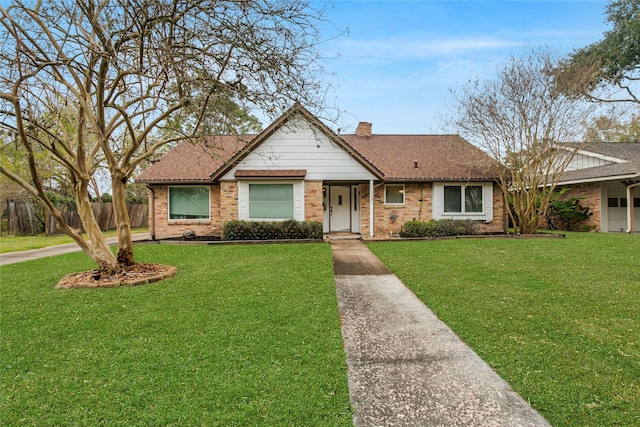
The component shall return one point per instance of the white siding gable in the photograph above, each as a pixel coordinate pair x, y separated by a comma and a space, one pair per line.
584, 161
298, 145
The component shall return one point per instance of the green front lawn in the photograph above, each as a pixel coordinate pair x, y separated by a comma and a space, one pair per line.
559, 319
24, 243
243, 335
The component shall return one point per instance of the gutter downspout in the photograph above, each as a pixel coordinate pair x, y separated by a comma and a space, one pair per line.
630, 207
371, 208
153, 212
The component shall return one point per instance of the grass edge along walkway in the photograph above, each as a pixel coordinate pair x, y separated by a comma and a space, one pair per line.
556, 318
243, 335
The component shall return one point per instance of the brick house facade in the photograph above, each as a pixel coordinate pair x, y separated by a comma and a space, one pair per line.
298, 168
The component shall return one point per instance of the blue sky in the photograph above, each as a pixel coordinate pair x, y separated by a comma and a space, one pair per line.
399, 59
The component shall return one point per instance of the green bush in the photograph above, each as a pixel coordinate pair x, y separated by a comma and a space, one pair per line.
439, 228
567, 214
271, 230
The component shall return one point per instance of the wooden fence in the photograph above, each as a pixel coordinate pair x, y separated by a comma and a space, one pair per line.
26, 218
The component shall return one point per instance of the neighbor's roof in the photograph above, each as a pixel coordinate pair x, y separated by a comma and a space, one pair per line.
614, 171
626, 153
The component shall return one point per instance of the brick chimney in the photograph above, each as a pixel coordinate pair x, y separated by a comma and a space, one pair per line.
364, 130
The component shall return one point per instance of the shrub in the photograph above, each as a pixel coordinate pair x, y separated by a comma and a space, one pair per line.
439, 228
271, 230
416, 229
566, 214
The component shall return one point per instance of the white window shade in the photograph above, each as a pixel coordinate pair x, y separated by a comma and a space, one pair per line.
189, 202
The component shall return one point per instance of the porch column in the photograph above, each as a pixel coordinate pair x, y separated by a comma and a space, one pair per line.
630, 207
370, 208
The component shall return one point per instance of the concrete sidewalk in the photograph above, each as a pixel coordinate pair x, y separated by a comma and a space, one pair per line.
13, 257
406, 367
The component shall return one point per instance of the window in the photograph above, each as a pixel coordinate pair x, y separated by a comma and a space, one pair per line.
270, 201
189, 202
459, 200
452, 199
473, 198
394, 194
454, 202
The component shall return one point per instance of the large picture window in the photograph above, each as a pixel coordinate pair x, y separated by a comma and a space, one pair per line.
271, 201
394, 194
463, 198
189, 202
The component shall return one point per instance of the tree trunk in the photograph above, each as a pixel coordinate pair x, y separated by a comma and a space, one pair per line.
97, 248
123, 223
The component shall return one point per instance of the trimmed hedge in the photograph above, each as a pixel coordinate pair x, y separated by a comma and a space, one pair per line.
271, 230
439, 228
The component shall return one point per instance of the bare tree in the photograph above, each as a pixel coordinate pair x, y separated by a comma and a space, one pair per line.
520, 118
138, 75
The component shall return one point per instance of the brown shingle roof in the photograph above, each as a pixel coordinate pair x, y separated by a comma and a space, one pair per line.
603, 173
194, 161
438, 157
392, 157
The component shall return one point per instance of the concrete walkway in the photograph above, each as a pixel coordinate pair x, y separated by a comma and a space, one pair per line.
13, 257
406, 367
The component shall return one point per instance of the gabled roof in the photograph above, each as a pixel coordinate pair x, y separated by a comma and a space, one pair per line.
296, 111
626, 156
388, 157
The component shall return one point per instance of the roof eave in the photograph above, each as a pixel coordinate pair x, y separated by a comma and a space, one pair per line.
443, 179
599, 179
175, 181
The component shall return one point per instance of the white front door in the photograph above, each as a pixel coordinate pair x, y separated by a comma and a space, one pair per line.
340, 208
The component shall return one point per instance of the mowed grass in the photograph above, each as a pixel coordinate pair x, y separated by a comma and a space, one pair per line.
242, 336
559, 319
24, 243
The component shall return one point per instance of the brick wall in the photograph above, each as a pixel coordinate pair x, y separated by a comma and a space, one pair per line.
500, 220
388, 219
313, 200
228, 201
591, 193
418, 204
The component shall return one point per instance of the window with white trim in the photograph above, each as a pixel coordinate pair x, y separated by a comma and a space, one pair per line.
394, 194
463, 199
271, 201
460, 200
189, 202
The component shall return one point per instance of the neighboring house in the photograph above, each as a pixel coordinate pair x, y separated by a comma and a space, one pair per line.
298, 168
607, 175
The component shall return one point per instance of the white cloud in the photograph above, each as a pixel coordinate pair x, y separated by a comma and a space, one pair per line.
393, 49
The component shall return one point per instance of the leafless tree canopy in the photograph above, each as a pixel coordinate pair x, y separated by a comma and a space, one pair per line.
112, 81
519, 118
